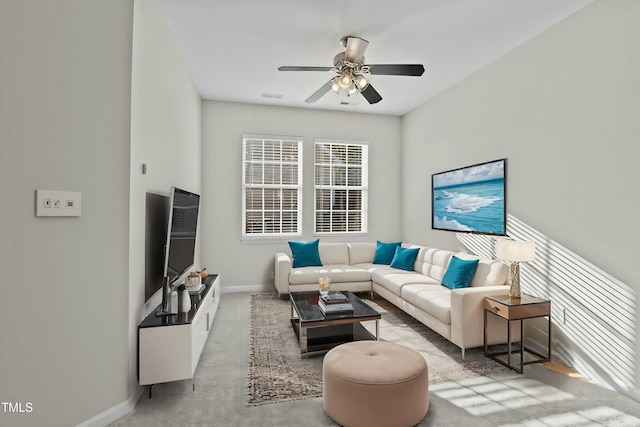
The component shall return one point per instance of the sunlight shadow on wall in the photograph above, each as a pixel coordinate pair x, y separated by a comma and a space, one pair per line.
593, 313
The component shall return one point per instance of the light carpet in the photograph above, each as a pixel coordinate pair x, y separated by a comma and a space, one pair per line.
539, 397
277, 372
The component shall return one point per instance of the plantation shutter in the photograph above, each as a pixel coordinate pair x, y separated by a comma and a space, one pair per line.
271, 186
341, 187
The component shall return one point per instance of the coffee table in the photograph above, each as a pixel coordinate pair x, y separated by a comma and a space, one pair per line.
318, 334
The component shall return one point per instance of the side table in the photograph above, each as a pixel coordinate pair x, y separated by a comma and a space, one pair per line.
510, 309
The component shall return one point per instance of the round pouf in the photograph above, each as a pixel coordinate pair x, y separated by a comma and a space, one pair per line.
373, 383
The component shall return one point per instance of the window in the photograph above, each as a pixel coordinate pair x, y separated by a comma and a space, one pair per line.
341, 185
271, 186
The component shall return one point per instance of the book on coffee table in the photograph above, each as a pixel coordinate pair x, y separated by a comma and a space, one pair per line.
334, 298
329, 309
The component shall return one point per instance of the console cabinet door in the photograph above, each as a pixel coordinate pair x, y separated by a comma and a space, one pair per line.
200, 327
165, 354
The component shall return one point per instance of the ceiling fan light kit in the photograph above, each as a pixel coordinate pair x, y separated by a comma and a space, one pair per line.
345, 80
352, 72
361, 81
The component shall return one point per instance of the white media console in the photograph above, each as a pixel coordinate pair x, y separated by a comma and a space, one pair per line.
169, 347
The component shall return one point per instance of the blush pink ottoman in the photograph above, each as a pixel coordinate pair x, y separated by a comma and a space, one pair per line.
374, 383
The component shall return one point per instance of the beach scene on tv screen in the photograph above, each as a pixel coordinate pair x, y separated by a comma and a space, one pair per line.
470, 199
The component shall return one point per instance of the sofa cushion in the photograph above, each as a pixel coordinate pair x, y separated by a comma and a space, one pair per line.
385, 252
394, 279
371, 267
339, 273
361, 252
404, 258
489, 272
435, 300
334, 253
459, 273
305, 253
433, 262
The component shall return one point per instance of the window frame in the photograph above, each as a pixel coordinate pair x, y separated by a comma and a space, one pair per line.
363, 187
298, 187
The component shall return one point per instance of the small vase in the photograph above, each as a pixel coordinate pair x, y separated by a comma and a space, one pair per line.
185, 301
324, 285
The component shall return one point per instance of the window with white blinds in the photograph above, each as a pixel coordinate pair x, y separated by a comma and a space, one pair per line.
341, 187
271, 186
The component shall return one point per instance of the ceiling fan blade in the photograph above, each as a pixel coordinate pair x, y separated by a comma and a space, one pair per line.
397, 69
354, 48
295, 68
319, 93
371, 95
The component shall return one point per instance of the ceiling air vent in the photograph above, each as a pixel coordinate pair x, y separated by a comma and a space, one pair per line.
271, 95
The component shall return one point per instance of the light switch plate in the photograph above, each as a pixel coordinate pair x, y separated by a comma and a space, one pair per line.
58, 203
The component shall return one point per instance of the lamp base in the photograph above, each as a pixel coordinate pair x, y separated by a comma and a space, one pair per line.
514, 280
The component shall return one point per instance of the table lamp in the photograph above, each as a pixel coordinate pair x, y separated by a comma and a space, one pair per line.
515, 252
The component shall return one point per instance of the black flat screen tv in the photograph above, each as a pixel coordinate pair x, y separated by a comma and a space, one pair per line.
157, 216
471, 199
181, 235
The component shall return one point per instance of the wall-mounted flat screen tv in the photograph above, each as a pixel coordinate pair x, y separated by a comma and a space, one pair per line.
181, 234
470, 199
157, 217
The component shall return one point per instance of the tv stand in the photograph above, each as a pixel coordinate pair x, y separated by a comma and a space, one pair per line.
170, 344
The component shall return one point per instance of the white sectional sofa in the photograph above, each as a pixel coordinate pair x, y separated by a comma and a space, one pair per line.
456, 314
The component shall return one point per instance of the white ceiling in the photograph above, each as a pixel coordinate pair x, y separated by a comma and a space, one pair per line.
233, 48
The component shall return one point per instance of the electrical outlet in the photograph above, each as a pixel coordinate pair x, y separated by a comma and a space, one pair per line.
58, 203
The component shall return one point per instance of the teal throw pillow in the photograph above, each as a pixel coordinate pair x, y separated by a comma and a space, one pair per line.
459, 273
305, 254
385, 252
404, 258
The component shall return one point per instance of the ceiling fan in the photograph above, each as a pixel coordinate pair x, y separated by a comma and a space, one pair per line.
353, 73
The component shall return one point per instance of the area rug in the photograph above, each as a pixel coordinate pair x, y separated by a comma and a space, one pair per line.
277, 372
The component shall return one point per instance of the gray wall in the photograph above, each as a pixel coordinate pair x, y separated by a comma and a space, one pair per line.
65, 96
166, 136
563, 108
223, 123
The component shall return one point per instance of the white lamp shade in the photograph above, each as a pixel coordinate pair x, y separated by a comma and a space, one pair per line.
515, 251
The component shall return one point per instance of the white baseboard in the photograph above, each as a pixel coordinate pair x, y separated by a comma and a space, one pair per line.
113, 414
